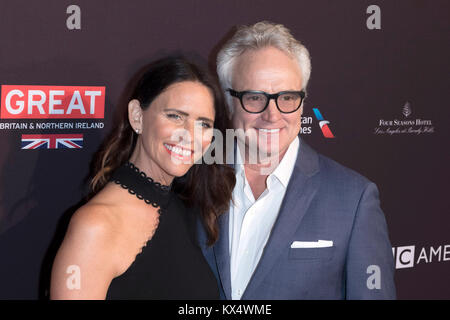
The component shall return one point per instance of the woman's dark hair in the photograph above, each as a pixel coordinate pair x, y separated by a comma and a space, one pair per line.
206, 187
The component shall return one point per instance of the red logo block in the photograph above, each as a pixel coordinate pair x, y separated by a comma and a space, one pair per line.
52, 102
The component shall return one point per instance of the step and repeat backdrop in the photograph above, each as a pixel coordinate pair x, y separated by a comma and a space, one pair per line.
379, 83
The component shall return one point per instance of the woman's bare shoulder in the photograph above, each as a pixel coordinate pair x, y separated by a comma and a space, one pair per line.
90, 244
100, 213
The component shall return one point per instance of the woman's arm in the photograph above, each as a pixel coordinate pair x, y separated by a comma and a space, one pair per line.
85, 263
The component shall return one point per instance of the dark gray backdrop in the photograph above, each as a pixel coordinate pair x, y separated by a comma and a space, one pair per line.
359, 77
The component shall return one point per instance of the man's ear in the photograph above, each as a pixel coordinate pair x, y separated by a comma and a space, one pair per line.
135, 115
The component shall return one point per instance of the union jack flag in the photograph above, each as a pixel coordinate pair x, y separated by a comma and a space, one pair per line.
52, 141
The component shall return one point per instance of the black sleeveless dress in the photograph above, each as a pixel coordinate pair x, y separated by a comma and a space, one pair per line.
171, 265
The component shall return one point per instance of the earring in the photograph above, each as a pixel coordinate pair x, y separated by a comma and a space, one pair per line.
137, 131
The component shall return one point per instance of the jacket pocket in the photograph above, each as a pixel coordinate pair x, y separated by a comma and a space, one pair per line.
311, 253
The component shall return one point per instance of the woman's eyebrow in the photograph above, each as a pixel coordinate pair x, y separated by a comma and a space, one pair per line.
187, 114
205, 119
176, 110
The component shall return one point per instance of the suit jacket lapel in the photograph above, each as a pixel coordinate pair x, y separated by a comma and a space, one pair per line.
301, 189
222, 255
221, 249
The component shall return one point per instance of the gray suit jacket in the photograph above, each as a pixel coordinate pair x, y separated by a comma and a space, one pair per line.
323, 201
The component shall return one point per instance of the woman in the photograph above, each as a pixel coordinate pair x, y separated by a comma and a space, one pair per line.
135, 238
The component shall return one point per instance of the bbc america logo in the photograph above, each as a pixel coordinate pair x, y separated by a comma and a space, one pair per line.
405, 256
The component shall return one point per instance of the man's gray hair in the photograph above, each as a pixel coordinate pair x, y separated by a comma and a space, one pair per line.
260, 35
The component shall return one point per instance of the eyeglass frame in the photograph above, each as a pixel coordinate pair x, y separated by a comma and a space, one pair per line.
274, 96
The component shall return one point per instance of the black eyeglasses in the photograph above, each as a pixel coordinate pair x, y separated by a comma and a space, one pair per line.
257, 101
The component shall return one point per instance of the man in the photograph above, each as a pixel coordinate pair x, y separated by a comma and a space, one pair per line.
309, 229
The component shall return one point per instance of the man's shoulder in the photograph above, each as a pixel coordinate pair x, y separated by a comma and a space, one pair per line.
336, 182
333, 171
327, 167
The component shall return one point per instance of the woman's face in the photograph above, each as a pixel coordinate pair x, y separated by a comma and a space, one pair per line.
175, 130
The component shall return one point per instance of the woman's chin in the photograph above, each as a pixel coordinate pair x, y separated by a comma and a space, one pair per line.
178, 167
178, 170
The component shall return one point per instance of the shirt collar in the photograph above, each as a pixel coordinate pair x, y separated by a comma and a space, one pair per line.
238, 162
284, 169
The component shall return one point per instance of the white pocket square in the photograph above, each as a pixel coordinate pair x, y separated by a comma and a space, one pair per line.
312, 244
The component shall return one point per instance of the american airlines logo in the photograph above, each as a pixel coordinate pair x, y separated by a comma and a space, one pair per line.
323, 124
407, 257
52, 102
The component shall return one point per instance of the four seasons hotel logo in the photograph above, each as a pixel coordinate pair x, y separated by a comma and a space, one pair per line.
407, 125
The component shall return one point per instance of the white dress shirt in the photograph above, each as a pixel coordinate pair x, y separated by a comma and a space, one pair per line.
252, 220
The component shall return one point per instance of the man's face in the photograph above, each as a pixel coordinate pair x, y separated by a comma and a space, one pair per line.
270, 70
